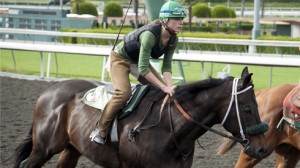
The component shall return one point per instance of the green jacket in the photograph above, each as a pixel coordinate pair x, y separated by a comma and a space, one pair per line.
148, 44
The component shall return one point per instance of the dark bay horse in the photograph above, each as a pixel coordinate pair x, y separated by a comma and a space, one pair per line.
166, 137
285, 142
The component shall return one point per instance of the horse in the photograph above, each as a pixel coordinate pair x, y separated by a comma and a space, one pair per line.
285, 142
160, 132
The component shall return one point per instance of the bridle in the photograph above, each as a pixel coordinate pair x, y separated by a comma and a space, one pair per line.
234, 94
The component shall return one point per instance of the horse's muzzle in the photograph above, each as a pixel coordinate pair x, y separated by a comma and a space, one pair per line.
254, 152
255, 130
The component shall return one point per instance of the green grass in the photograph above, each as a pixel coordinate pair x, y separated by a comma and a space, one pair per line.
69, 65
81, 66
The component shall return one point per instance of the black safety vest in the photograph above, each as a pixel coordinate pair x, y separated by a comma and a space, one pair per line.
132, 45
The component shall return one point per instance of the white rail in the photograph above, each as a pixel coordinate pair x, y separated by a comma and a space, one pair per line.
277, 60
187, 40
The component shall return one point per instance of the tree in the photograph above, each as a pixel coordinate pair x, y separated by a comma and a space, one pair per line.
220, 11
113, 9
77, 2
201, 10
86, 8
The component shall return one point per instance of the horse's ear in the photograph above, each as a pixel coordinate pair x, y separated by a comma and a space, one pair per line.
246, 76
245, 72
247, 80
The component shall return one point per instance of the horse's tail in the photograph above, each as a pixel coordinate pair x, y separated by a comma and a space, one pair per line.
22, 151
226, 146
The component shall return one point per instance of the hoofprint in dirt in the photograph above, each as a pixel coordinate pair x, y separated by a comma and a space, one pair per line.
18, 97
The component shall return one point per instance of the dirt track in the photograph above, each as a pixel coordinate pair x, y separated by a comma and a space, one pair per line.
17, 102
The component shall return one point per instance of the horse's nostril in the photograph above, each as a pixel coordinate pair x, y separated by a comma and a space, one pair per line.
261, 151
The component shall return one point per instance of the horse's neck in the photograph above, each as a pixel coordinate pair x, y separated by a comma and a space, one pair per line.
205, 107
203, 114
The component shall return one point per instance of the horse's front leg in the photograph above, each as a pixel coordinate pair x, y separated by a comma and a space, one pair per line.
244, 161
287, 156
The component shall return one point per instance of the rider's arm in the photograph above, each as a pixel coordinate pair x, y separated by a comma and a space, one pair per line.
167, 64
147, 40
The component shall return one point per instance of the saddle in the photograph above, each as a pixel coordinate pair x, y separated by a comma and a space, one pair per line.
99, 96
291, 109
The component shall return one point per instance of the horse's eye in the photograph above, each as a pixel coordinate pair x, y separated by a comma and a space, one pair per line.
247, 109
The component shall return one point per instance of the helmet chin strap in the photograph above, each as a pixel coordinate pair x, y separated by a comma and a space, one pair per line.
172, 32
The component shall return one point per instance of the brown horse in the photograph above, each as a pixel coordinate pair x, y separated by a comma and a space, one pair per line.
161, 131
284, 142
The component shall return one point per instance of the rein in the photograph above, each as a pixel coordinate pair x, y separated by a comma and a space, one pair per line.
189, 118
183, 156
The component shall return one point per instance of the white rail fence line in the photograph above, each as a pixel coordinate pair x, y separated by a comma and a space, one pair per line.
276, 60
4, 31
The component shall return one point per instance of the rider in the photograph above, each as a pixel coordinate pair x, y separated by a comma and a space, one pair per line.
153, 40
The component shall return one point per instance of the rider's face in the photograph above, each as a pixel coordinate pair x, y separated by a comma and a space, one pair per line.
175, 24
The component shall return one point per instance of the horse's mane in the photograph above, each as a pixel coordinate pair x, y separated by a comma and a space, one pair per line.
187, 91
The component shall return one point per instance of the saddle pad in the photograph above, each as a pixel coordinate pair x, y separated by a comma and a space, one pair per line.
291, 109
296, 98
97, 97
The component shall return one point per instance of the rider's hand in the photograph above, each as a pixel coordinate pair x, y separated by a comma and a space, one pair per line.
168, 89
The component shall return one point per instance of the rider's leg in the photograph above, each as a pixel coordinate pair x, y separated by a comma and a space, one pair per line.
119, 72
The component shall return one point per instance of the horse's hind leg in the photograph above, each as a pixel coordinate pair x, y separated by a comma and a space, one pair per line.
42, 152
49, 136
68, 158
37, 159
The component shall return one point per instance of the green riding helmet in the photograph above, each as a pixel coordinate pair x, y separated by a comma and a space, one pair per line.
172, 9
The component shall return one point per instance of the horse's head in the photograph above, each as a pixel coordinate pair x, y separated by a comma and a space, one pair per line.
241, 118
229, 101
